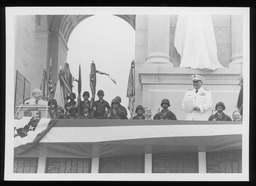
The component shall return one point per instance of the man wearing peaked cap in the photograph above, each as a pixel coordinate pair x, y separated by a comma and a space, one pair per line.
196, 77
197, 101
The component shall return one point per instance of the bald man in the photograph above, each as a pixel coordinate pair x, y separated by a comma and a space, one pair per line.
37, 98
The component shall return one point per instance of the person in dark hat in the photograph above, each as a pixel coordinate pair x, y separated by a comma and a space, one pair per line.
121, 107
86, 102
219, 115
100, 106
72, 113
115, 112
165, 112
54, 109
71, 103
86, 114
139, 111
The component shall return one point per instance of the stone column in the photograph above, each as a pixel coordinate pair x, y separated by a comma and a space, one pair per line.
236, 59
158, 39
95, 165
202, 162
148, 163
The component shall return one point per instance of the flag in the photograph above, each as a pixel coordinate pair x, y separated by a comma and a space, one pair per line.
103, 73
240, 96
93, 81
29, 131
59, 94
131, 89
43, 86
79, 90
66, 81
50, 87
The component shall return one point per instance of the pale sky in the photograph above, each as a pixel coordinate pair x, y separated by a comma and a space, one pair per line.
110, 42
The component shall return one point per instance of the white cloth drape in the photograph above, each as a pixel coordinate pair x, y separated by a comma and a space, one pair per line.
195, 42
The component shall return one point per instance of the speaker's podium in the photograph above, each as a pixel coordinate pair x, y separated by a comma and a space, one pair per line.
41, 111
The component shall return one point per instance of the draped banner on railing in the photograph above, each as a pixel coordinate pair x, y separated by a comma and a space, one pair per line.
29, 131
77, 136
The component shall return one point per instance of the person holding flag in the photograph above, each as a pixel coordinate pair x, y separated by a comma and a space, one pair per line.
70, 104
78, 105
100, 106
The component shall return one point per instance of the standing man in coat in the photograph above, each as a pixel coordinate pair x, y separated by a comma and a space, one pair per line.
197, 101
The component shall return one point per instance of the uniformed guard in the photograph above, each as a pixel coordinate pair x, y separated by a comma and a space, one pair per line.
72, 113
197, 101
115, 112
72, 101
54, 109
86, 114
86, 102
121, 107
220, 115
100, 106
165, 112
139, 111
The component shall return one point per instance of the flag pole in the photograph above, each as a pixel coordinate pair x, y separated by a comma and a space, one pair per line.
93, 81
79, 91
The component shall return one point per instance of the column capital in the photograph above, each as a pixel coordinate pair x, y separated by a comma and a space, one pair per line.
236, 59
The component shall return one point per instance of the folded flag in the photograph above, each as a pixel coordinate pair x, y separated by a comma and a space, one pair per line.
29, 131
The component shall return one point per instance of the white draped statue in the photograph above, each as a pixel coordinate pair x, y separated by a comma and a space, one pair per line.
195, 42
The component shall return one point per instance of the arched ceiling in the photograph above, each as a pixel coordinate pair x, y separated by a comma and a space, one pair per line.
65, 24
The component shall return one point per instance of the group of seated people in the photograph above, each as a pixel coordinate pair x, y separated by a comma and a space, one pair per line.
100, 109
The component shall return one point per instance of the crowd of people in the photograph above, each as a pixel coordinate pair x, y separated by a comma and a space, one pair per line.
196, 103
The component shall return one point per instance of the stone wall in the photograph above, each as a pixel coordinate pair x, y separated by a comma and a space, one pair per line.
24, 50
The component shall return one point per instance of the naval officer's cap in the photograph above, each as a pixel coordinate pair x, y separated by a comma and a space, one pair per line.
197, 77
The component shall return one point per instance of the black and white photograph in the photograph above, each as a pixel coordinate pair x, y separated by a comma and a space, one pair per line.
127, 93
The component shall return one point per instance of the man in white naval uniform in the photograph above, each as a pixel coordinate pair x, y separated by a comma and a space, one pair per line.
197, 101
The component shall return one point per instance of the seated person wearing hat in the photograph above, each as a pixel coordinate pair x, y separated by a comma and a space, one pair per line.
139, 111
54, 109
37, 98
100, 106
165, 113
219, 115
115, 112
